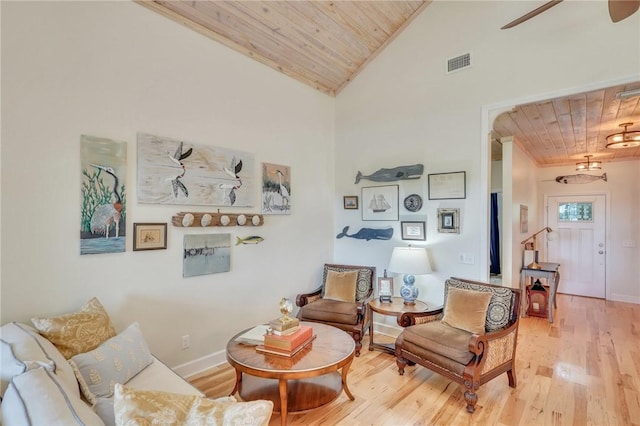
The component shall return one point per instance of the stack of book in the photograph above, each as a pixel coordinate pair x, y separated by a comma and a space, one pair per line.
287, 344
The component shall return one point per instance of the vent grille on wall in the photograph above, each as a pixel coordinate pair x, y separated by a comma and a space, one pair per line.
458, 63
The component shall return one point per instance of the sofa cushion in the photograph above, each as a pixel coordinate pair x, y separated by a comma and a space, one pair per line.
77, 332
117, 360
22, 349
341, 286
442, 339
500, 309
154, 407
38, 397
327, 310
466, 309
363, 284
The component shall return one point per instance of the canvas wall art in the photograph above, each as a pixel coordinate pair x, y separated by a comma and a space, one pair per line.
103, 211
276, 189
206, 254
172, 171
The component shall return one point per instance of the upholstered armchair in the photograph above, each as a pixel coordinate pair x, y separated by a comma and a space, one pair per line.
471, 340
342, 300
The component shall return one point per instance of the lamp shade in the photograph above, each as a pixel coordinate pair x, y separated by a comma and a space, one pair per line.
410, 260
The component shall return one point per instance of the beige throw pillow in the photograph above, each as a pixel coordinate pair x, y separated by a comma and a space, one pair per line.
138, 407
466, 309
77, 332
341, 286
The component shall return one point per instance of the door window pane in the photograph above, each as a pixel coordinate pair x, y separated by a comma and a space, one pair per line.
575, 212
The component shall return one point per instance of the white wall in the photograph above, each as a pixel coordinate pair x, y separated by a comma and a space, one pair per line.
622, 190
112, 69
404, 109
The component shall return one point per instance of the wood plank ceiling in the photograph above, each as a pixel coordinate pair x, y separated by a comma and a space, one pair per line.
325, 44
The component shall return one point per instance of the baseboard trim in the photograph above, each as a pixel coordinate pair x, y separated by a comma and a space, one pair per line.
624, 298
386, 329
191, 368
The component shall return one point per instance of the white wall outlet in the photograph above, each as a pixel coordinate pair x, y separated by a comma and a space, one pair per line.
466, 258
628, 243
186, 341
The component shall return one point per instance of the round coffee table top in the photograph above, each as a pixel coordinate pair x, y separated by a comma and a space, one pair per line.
332, 348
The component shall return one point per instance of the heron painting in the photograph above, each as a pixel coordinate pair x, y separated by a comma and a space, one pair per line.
103, 200
172, 171
276, 189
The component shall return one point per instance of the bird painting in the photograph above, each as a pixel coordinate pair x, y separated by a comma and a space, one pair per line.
276, 189
236, 167
107, 214
282, 190
177, 159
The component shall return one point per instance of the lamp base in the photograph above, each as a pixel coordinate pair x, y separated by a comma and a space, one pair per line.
409, 291
534, 265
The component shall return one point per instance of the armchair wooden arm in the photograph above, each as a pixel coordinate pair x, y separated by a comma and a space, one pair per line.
412, 318
306, 298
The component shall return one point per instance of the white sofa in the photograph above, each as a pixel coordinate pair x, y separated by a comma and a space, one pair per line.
41, 387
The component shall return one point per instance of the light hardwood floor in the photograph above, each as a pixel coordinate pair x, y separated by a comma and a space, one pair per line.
584, 369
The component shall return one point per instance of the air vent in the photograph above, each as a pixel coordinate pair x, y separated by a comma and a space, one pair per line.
458, 63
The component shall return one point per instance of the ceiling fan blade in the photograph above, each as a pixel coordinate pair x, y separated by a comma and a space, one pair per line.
534, 12
621, 9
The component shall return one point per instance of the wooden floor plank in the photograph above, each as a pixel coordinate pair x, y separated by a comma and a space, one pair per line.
584, 369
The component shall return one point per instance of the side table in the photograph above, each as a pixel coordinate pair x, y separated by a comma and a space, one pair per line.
394, 308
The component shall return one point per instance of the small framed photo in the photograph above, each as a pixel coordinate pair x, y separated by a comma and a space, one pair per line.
149, 236
385, 289
447, 186
449, 221
350, 202
413, 231
380, 202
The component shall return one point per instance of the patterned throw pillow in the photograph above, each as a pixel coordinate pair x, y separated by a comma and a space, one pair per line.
466, 309
117, 360
363, 285
154, 407
341, 286
77, 332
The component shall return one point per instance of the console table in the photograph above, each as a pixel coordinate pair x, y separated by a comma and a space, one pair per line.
550, 272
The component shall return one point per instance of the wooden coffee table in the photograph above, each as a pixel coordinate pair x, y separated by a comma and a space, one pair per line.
310, 379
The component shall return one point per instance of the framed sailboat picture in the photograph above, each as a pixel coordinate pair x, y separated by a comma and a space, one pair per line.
380, 202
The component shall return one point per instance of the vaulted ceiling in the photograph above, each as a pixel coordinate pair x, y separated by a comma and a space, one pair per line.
325, 44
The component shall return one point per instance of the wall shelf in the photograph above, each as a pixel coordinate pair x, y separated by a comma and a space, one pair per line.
205, 219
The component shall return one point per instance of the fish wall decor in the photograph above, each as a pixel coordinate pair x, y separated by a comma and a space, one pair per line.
368, 234
580, 178
396, 173
254, 239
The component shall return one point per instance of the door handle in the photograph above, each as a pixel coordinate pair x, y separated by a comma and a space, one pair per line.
600, 252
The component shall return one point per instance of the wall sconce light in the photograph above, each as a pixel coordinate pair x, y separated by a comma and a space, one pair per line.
588, 165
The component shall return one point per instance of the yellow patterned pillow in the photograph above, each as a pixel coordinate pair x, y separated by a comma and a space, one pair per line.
137, 407
77, 332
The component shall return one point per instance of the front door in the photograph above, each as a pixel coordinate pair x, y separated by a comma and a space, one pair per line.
579, 223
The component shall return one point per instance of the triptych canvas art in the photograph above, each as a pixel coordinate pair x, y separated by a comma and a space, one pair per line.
173, 172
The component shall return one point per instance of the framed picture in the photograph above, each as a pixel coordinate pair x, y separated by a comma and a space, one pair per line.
413, 231
385, 289
524, 219
350, 202
447, 186
380, 202
149, 236
449, 220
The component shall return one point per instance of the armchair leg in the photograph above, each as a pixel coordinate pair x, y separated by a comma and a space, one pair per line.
512, 378
470, 395
401, 363
357, 337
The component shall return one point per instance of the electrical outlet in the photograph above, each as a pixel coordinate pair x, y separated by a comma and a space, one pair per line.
186, 341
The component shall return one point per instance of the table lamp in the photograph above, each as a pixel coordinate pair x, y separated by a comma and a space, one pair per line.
550, 237
409, 261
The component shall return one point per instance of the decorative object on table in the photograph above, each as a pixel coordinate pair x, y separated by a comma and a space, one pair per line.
447, 186
254, 239
287, 345
538, 298
409, 261
254, 336
413, 202
449, 221
198, 219
413, 231
580, 178
149, 236
368, 234
103, 203
588, 165
524, 219
624, 139
396, 173
285, 322
530, 244
385, 288
172, 171
350, 202
276, 189
380, 202
206, 254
